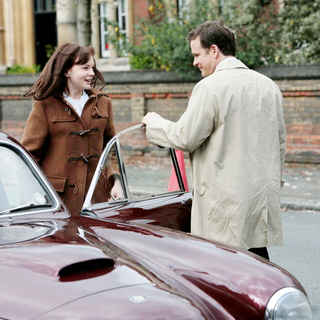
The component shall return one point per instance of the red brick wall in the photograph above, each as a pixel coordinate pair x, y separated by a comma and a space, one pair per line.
140, 12
132, 101
302, 117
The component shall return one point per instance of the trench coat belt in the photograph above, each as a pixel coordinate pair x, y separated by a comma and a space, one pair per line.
84, 132
84, 158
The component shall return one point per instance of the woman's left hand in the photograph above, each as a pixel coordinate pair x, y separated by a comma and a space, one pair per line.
116, 191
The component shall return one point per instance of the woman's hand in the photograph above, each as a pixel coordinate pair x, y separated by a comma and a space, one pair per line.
116, 191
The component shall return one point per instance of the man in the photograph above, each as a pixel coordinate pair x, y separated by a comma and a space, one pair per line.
234, 130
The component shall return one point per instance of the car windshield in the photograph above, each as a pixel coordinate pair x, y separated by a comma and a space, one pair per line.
19, 187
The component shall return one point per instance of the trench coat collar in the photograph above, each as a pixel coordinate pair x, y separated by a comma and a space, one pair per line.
230, 63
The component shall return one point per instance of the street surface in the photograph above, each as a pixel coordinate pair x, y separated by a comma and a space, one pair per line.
300, 254
301, 189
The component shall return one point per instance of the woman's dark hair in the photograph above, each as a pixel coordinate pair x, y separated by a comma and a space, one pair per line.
52, 80
214, 32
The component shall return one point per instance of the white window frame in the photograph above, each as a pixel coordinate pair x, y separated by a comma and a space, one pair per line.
121, 20
105, 51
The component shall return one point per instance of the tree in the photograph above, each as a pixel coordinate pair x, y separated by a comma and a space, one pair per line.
300, 25
164, 44
257, 30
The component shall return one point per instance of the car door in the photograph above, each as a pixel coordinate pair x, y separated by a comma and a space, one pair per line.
152, 189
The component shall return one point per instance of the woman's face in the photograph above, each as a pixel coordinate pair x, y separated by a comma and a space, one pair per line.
80, 76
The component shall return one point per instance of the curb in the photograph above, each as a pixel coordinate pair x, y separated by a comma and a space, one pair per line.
294, 204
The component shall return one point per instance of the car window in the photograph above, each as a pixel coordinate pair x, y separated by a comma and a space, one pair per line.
143, 170
148, 168
109, 175
19, 187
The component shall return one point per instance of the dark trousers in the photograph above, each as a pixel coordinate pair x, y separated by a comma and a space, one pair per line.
262, 252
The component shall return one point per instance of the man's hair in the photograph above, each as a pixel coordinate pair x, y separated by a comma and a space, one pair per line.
214, 32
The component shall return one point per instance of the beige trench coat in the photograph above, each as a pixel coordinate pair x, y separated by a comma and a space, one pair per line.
234, 130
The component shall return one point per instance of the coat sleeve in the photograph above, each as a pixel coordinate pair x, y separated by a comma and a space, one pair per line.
194, 126
36, 131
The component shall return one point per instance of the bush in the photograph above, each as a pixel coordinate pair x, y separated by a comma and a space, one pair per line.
264, 34
164, 44
19, 69
300, 23
257, 30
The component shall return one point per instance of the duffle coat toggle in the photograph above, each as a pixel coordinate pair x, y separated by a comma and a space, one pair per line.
74, 187
84, 158
84, 132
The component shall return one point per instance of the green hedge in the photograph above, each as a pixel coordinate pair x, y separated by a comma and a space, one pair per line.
20, 69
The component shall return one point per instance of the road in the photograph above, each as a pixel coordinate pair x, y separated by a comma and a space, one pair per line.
300, 254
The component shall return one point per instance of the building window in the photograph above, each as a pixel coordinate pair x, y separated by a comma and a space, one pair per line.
41, 6
104, 45
182, 6
118, 17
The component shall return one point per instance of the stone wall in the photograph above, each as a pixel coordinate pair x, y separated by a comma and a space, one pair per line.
134, 93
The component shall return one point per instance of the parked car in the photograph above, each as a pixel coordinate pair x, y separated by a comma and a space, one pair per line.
117, 260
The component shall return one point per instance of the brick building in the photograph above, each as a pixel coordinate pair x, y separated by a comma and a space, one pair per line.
30, 29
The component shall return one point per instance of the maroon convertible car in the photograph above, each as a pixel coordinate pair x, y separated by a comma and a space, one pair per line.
126, 258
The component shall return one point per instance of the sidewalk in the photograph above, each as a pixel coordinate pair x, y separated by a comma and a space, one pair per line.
301, 190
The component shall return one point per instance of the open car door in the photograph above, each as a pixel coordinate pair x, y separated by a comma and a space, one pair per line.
144, 171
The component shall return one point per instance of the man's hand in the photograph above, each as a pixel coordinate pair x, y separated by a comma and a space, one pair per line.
150, 117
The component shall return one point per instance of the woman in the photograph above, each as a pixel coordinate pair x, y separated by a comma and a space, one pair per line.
70, 124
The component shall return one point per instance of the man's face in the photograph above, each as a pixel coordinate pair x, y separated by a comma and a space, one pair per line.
203, 58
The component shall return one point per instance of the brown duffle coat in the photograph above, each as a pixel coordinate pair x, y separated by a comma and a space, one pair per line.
67, 147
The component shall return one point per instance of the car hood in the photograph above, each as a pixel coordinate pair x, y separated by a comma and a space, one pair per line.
35, 287
61, 270
221, 281
88, 263
42, 274
130, 302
